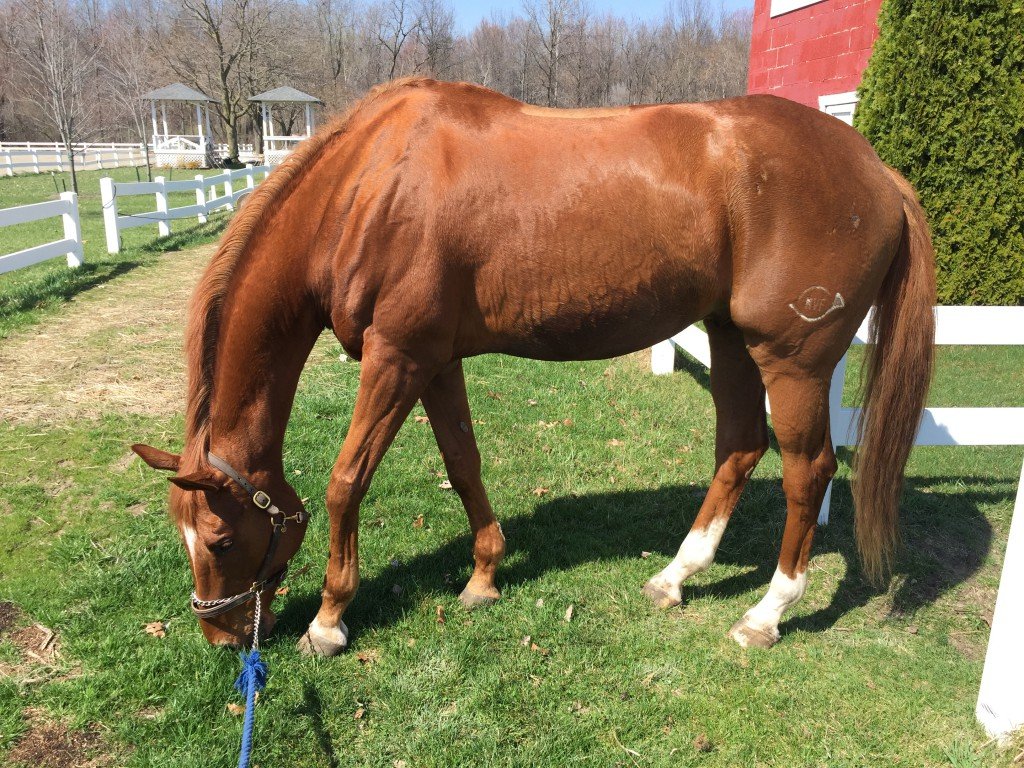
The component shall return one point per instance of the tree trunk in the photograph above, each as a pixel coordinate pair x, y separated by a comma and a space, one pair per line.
71, 162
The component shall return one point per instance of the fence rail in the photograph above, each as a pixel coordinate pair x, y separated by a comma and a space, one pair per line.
204, 188
41, 157
70, 246
1000, 706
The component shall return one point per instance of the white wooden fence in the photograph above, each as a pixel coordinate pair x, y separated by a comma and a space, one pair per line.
70, 246
233, 185
1000, 705
39, 157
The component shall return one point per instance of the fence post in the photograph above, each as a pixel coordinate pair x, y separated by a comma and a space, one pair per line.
250, 177
164, 224
837, 426
108, 200
10, 162
35, 161
1000, 705
72, 229
229, 190
201, 197
99, 160
663, 357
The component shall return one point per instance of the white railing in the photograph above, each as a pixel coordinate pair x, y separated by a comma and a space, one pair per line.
1000, 705
70, 246
42, 157
204, 188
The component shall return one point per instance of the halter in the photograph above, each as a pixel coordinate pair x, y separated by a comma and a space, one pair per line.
205, 609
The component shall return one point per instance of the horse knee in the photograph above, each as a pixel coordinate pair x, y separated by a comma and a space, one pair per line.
345, 489
464, 472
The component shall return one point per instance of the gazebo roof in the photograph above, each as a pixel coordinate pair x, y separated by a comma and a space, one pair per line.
176, 92
285, 94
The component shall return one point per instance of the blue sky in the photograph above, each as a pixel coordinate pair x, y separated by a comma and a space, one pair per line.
469, 12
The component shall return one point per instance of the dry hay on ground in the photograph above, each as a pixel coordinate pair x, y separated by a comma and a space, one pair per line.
115, 350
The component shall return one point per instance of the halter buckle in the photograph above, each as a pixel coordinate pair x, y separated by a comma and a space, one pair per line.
261, 500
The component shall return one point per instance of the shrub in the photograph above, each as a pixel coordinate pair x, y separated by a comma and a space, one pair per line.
942, 100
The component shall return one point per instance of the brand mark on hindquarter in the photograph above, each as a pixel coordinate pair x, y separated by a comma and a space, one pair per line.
816, 303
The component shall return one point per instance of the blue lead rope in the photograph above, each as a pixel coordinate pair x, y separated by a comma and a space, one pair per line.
252, 678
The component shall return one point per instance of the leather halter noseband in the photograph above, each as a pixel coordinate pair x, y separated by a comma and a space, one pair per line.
205, 609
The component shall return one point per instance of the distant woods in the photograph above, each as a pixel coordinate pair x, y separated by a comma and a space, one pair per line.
553, 52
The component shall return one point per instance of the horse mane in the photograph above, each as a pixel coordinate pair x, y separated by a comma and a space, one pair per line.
204, 314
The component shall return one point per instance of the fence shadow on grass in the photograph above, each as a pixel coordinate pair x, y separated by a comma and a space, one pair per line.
61, 285
945, 541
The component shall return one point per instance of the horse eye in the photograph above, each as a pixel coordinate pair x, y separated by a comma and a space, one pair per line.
224, 545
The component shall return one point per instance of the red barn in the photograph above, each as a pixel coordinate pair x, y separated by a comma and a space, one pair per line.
812, 51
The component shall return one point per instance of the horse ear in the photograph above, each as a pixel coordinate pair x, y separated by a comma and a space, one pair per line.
156, 458
198, 481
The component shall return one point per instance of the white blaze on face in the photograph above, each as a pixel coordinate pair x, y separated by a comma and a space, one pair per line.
191, 538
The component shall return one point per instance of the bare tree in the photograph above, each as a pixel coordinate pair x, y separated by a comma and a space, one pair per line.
211, 45
57, 65
549, 19
396, 23
126, 67
335, 21
436, 37
554, 52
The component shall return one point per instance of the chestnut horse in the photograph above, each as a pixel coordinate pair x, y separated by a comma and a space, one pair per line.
435, 221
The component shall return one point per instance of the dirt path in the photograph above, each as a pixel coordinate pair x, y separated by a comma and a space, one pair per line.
116, 348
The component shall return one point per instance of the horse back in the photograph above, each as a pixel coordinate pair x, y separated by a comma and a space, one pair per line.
566, 234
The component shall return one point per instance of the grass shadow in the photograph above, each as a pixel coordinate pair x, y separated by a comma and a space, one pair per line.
61, 286
313, 708
945, 541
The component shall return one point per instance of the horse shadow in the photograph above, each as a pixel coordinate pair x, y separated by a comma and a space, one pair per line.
945, 540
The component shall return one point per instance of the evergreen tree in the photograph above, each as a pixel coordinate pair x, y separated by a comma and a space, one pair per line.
943, 101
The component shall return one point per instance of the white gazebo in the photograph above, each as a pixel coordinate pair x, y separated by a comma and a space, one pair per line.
276, 147
181, 149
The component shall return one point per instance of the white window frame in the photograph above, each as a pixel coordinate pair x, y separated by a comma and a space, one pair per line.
828, 102
780, 7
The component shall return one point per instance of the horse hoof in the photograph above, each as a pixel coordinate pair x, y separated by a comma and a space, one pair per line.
747, 636
659, 596
320, 641
472, 600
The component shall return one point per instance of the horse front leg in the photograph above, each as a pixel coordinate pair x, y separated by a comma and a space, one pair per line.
448, 409
389, 383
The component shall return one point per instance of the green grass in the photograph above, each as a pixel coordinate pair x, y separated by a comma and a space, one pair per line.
28, 294
860, 678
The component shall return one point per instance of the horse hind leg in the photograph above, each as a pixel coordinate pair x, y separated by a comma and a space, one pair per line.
741, 438
448, 409
800, 417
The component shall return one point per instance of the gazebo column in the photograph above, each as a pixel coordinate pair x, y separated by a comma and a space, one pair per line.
163, 118
267, 130
199, 123
156, 132
309, 119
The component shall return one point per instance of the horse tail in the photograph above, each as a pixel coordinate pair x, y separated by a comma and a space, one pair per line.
898, 372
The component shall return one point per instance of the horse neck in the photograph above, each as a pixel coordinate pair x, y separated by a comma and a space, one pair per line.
268, 327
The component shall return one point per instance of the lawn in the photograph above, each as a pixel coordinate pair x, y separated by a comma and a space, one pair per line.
26, 294
596, 471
